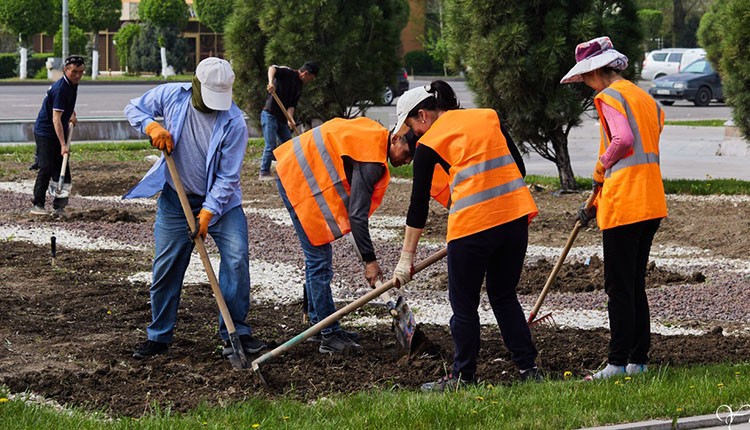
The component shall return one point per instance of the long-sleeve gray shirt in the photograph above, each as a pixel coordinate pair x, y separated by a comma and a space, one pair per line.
362, 178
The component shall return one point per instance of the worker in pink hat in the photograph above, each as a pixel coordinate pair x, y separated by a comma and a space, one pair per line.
630, 203
206, 134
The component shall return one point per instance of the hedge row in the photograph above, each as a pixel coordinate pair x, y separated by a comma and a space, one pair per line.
9, 64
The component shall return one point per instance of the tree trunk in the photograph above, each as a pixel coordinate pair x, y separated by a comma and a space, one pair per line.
678, 20
562, 161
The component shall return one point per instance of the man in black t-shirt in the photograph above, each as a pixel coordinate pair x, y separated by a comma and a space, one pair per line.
50, 132
287, 83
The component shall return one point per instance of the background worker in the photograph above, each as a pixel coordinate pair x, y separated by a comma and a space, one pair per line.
51, 131
207, 136
631, 202
287, 83
331, 179
488, 221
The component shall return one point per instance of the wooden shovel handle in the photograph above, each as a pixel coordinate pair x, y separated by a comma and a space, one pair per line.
558, 265
283, 109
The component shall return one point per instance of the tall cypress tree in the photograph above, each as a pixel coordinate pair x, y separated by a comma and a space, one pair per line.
356, 44
518, 50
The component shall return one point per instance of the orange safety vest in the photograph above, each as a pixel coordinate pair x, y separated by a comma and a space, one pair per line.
486, 187
311, 168
633, 190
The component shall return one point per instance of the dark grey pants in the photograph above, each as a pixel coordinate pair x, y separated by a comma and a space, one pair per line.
50, 163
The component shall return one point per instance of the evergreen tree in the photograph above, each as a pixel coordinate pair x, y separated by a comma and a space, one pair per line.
517, 51
355, 43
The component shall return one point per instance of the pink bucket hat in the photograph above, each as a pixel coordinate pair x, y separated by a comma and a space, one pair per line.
592, 55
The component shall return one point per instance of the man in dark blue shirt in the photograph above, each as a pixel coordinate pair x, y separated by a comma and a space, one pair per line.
287, 83
50, 132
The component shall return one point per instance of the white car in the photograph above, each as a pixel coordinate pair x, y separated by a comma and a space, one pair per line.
663, 62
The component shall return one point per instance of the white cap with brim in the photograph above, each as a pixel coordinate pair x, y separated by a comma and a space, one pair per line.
216, 78
408, 101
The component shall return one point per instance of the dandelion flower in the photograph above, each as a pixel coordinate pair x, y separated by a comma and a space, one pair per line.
628, 378
255, 426
109, 312
692, 386
494, 402
567, 374
473, 412
286, 417
618, 382
3, 400
720, 385
480, 398
736, 373
679, 409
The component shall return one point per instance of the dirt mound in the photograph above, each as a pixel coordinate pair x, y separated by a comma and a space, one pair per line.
588, 275
105, 215
69, 332
579, 277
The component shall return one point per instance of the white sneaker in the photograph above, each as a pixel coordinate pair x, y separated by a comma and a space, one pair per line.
608, 372
634, 369
61, 212
38, 210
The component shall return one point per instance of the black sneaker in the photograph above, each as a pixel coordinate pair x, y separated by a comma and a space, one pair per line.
353, 335
337, 342
531, 375
250, 344
34, 166
150, 348
446, 383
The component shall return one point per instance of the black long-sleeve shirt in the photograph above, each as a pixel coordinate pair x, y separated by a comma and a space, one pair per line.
425, 159
362, 178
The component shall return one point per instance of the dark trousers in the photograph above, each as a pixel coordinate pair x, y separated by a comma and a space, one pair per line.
497, 254
626, 250
50, 163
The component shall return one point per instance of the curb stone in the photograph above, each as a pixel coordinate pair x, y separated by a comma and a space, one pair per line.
699, 422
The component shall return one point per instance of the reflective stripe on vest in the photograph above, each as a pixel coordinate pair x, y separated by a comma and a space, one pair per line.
487, 194
313, 183
639, 155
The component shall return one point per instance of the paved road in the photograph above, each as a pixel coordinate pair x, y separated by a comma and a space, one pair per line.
24, 101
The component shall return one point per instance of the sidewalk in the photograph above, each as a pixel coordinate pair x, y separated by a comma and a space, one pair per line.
686, 153
703, 422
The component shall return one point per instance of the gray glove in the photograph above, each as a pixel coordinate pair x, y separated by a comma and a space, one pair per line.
585, 215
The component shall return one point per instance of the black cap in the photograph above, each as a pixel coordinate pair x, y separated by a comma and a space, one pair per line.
312, 67
75, 60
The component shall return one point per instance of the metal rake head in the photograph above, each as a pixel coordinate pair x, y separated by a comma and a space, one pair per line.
546, 320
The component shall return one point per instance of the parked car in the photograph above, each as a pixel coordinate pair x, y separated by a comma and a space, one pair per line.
698, 83
663, 62
401, 86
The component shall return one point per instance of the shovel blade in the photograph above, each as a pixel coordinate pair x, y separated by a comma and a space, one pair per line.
59, 192
405, 324
238, 357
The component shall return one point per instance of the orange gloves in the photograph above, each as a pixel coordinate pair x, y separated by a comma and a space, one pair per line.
203, 219
160, 137
598, 174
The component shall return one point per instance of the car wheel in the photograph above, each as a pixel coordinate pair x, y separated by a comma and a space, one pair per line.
659, 76
667, 102
388, 96
702, 97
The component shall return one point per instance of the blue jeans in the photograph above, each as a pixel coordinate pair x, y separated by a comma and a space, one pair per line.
173, 248
273, 129
318, 271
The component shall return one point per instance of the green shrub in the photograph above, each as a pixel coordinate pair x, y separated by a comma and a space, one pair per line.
8, 65
36, 64
419, 63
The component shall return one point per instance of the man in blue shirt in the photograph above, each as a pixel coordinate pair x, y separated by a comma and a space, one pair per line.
50, 132
206, 134
287, 83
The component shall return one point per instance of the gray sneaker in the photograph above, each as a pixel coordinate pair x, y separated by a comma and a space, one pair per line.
608, 372
38, 210
353, 335
634, 369
446, 383
61, 212
337, 342
265, 176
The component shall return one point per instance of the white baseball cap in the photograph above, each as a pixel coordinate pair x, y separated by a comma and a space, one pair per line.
216, 78
408, 101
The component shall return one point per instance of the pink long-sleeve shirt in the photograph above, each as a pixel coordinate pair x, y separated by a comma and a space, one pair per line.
620, 136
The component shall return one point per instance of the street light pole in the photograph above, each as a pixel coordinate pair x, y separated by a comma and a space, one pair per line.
64, 30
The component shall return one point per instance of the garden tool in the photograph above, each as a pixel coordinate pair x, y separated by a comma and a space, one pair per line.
315, 329
60, 190
53, 249
403, 318
555, 270
238, 357
296, 133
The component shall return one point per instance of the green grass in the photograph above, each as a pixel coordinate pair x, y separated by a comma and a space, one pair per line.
671, 186
104, 77
665, 393
699, 122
